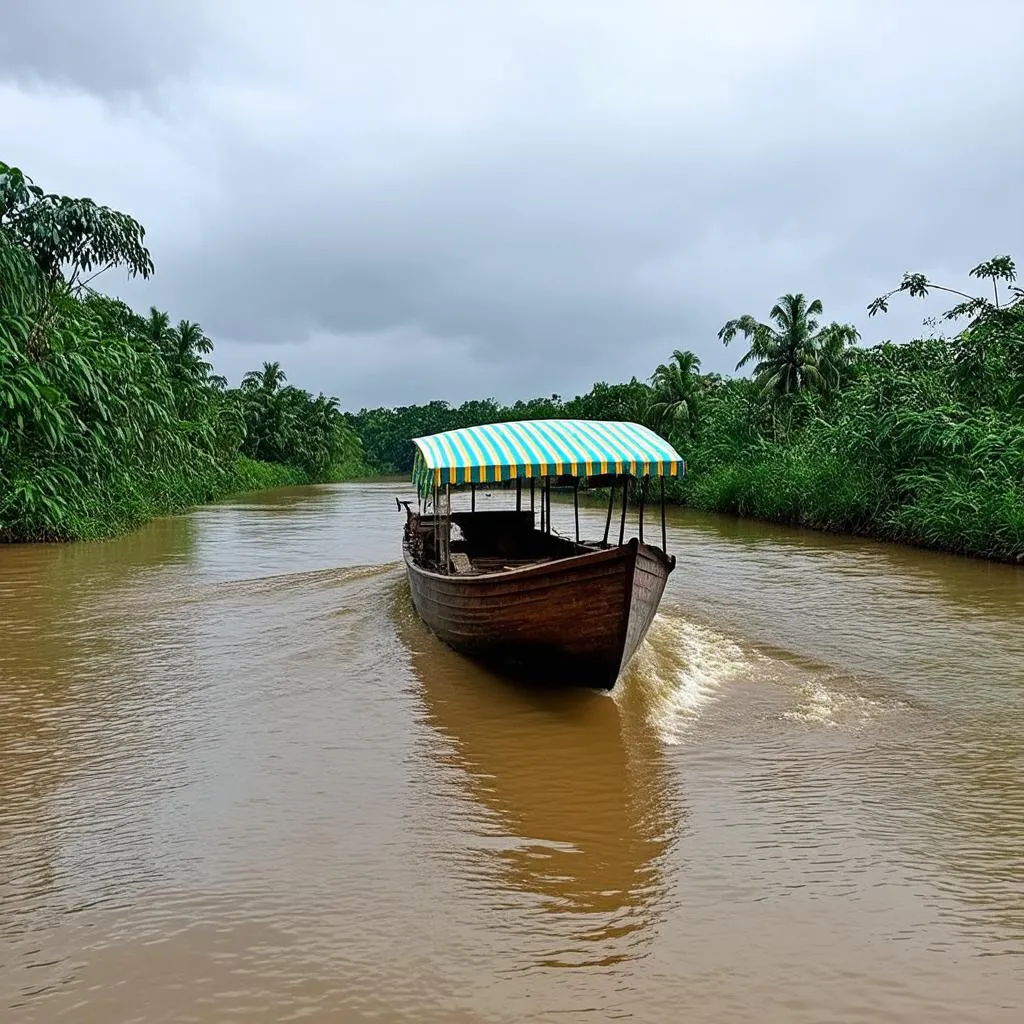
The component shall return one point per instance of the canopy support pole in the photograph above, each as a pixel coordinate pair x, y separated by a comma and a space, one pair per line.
542, 530
640, 484
519, 494
608, 521
447, 528
532, 482
547, 489
625, 502
472, 497
664, 538
576, 507
437, 530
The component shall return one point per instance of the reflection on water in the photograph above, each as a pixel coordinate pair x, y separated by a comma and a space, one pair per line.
240, 781
575, 807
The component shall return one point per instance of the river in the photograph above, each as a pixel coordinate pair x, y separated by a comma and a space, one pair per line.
239, 781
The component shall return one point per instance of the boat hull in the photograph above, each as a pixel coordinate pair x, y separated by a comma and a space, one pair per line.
576, 620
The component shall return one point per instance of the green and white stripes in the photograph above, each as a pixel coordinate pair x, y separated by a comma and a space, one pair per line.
498, 452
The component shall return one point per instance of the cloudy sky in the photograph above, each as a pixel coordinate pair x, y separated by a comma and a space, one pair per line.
415, 199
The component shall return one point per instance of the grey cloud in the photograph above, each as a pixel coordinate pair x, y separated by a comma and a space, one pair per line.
107, 47
492, 201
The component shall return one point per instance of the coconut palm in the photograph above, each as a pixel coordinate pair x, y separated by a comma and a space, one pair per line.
191, 341
794, 352
268, 379
183, 349
268, 410
675, 387
158, 330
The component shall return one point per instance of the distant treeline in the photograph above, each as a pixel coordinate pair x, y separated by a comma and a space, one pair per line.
108, 418
920, 442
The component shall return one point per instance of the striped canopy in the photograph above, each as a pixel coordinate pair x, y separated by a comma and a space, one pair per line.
497, 452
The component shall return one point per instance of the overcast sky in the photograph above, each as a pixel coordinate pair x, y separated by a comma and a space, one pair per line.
408, 199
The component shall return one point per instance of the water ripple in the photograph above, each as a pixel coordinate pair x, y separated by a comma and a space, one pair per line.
240, 781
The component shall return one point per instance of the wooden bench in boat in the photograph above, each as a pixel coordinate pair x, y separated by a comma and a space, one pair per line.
464, 566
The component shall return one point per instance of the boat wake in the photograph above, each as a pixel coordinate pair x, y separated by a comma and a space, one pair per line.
826, 701
679, 670
327, 578
189, 591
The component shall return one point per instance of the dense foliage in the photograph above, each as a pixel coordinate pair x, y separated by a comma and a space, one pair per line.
107, 417
920, 442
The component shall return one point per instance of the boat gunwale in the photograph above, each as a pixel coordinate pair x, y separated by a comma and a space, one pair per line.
543, 568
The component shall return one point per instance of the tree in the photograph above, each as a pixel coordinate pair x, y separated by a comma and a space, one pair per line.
630, 401
157, 330
62, 233
184, 347
675, 386
796, 353
264, 411
999, 268
988, 354
181, 349
188, 344
107, 416
267, 380
191, 342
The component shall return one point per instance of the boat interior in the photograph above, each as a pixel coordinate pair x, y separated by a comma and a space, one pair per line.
486, 542
474, 542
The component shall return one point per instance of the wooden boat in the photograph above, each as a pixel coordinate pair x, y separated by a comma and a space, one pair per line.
522, 599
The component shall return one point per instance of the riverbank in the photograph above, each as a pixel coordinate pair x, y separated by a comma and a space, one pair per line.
976, 517
920, 443
124, 503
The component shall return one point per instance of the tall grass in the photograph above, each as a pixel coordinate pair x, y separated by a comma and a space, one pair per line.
945, 477
122, 501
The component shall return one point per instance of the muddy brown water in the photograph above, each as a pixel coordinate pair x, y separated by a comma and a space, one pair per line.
239, 781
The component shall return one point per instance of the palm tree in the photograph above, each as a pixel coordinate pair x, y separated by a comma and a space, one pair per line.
326, 411
191, 341
158, 329
837, 354
268, 379
266, 406
795, 353
675, 392
185, 346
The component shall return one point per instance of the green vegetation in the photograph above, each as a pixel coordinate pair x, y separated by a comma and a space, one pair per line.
108, 418
921, 442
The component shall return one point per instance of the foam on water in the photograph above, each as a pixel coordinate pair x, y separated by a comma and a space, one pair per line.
826, 701
680, 669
